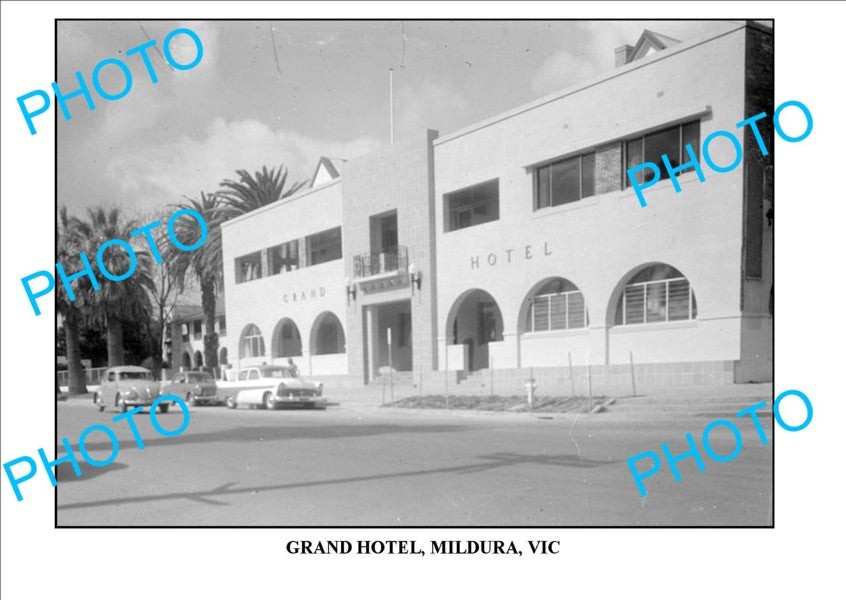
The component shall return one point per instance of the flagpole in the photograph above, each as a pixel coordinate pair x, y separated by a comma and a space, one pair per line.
391, 102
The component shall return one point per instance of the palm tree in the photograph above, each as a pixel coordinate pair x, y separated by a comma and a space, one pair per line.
254, 191
206, 262
68, 255
116, 302
234, 198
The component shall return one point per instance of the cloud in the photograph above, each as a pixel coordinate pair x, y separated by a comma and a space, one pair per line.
184, 50
561, 70
432, 105
589, 48
185, 166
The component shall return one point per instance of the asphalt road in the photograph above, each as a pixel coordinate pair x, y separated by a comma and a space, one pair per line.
374, 468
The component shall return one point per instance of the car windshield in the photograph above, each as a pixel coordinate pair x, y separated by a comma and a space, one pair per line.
199, 378
277, 372
136, 375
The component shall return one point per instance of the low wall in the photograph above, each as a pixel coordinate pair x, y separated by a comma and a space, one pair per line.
598, 379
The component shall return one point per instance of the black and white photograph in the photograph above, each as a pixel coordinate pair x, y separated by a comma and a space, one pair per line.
386, 288
423, 293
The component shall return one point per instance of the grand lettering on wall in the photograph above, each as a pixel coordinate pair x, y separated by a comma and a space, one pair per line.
303, 295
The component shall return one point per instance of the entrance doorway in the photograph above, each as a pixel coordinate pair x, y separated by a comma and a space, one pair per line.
475, 322
378, 354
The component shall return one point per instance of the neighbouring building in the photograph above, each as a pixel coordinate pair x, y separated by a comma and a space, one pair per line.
184, 346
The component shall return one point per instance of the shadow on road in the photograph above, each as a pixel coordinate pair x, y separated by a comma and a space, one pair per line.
274, 432
66, 474
488, 462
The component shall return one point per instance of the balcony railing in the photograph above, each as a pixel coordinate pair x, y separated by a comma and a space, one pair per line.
388, 261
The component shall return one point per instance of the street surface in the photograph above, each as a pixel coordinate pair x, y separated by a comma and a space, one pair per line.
368, 467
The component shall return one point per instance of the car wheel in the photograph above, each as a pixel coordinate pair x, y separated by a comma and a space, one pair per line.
189, 399
121, 404
163, 407
101, 408
230, 403
268, 401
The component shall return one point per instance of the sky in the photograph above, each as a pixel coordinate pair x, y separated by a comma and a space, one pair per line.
288, 92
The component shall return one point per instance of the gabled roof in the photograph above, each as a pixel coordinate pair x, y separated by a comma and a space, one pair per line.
181, 311
327, 169
192, 312
650, 42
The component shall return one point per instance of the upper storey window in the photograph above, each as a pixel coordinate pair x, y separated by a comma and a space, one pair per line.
472, 206
564, 181
248, 267
324, 246
649, 148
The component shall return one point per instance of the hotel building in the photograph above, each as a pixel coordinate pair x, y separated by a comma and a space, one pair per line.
517, 245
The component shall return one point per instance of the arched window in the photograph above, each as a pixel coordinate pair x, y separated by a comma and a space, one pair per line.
224, 356
186, 360
655, 294
557, 305
198, 359
252, 342
328, 338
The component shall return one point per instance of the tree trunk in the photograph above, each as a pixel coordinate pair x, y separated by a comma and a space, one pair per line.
114, 340
156, 339
210, 340
76, 373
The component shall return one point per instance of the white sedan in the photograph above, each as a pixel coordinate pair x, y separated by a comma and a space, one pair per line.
270, 387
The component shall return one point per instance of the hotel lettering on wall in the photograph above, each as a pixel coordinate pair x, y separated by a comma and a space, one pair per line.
302, 296
510, 255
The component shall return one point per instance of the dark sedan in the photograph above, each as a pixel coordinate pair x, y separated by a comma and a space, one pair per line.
195, 387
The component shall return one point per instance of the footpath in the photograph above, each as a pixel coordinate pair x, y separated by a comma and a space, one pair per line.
677, 402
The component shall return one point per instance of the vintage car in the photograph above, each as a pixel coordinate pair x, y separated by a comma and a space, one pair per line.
269, 386
127, 386
195, 387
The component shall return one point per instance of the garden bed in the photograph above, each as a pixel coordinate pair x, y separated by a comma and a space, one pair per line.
543, 404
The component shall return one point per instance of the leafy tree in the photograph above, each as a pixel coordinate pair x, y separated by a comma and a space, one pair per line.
164, 290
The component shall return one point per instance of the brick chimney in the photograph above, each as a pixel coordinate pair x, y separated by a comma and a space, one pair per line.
622, 55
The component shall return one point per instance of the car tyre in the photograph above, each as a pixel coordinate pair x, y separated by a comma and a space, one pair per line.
189, 399
268, 402
101, 408
121, 404
230, 403
163, 407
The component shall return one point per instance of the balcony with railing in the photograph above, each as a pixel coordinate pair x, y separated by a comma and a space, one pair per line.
374, 266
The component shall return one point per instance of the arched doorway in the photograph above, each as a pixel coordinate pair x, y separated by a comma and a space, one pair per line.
286, 339
198, 360
186, 360
327, 335
475, 321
